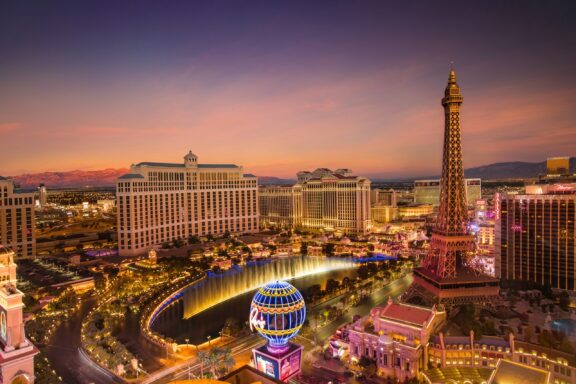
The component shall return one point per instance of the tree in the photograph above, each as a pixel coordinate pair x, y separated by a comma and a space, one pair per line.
329, 249
332, 285
314, 291
304, 249
564, 300
547, 291
372, 269
99, 281
362, 272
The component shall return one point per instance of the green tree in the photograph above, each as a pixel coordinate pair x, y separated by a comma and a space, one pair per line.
329, 249
99, 281
564, 300
362, 272
332, 285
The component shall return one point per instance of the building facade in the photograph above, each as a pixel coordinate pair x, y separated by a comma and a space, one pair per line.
42, 195
16, 351
17, 220
161, 202
382, 214
384, 197
280, 206
535, 241
469, 351
428, 191
322, 200
395, 337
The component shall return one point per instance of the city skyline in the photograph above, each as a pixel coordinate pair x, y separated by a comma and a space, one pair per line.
275, 87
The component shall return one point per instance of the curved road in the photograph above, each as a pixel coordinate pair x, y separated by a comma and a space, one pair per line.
66, 356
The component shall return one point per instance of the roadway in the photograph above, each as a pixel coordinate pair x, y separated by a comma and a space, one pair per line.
68, 359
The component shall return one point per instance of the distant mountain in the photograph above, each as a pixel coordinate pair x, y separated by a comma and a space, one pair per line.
271, 180
100, 178
71, 179
511, 170
107, 177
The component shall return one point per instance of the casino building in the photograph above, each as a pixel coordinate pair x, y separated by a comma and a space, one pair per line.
535, 241
161, 202
17, 219
395, 336
321, 200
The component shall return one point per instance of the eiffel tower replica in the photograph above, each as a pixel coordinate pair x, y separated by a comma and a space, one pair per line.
448, 275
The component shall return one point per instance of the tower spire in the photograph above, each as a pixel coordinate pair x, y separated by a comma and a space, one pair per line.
452, 75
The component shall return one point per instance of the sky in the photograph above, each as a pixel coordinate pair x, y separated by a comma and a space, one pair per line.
282, 86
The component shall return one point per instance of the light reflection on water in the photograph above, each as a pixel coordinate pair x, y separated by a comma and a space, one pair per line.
204, 309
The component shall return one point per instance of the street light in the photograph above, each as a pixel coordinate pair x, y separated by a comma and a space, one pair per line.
187, 346
209, 337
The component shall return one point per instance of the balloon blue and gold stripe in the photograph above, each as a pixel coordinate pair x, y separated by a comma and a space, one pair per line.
277, 312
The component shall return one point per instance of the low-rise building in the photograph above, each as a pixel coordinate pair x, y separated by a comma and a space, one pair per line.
468, 351
395, 337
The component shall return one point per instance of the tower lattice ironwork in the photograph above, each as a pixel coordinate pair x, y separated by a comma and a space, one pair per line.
451, 247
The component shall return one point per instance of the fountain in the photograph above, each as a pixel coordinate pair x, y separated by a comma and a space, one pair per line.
238, 280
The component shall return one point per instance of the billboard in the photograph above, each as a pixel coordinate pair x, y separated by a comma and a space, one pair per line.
281, 367
290, 365
266, 365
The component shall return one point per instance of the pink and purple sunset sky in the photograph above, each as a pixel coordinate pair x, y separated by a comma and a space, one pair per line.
282, 86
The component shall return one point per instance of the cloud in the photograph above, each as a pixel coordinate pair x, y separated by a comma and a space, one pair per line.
10, 127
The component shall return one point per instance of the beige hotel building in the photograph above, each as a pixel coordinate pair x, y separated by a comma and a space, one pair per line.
322, 200
17, 220
161, 202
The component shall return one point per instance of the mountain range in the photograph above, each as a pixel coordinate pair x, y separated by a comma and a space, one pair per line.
107, 177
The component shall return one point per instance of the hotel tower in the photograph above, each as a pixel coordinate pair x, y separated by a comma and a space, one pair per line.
162, 202
17, 219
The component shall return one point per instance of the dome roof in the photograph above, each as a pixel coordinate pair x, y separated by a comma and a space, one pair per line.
5, 251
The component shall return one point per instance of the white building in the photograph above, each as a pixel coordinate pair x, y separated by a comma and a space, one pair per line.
322, 200
161, 202
17, 219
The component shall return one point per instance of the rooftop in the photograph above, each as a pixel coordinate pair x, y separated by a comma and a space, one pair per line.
406, 313
458, 374
131, 176
508, 372
181, 165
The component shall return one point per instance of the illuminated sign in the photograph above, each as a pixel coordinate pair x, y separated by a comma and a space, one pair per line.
280, 367
256, 322
267, 365
497, 202
290, 366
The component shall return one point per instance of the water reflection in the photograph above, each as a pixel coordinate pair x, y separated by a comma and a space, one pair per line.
203, 309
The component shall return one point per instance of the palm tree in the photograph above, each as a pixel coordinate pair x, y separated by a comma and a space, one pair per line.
203, 358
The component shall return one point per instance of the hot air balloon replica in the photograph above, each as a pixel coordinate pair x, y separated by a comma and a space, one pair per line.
277, 313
